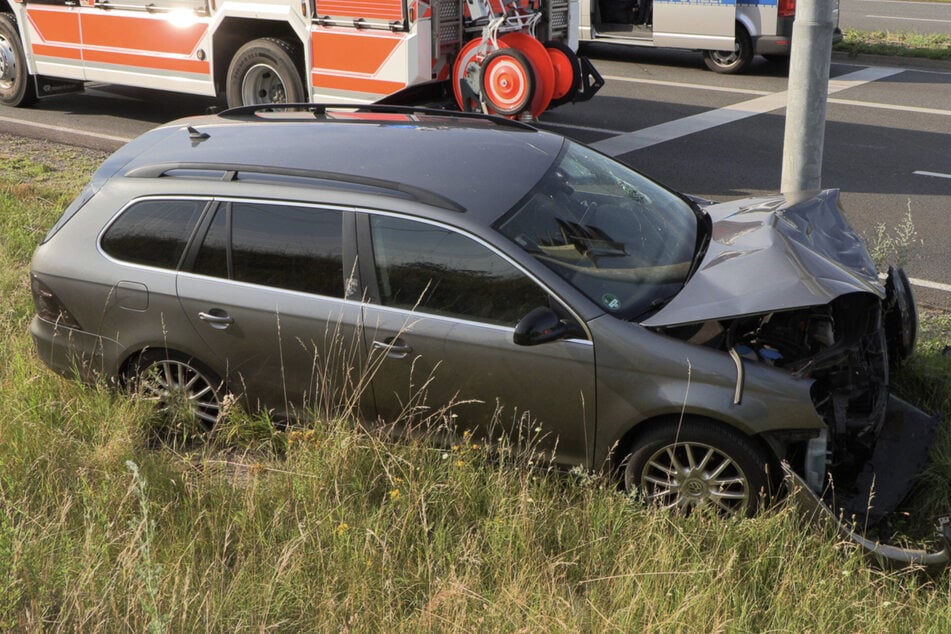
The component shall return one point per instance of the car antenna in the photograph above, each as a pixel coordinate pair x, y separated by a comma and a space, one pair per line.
195, 135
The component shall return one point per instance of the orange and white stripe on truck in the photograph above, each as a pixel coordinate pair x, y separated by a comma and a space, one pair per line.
53, 35
364, 51
129, 47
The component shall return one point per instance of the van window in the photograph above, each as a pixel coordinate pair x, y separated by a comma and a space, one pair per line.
431, 269
153, 232
292, 247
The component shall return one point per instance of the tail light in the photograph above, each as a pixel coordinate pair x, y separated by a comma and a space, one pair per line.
787, 8
49, 307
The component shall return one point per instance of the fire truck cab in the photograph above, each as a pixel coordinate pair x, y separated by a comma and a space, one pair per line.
284, 51
729, 32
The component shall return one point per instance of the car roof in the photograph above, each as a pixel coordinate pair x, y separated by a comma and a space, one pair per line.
478, 165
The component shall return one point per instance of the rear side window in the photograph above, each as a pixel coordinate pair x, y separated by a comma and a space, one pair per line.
153, 232
283, 246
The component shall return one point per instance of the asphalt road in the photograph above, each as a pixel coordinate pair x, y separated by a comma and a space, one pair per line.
895, 15
887, 138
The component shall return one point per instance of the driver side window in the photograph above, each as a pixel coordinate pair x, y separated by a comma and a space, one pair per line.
434, 270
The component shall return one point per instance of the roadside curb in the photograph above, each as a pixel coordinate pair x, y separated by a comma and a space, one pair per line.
867, 59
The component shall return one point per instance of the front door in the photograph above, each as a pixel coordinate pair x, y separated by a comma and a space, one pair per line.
441, 343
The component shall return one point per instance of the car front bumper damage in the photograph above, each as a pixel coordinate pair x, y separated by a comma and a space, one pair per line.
886, 479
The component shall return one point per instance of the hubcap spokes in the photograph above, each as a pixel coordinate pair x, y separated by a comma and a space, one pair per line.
173, 385
688, 475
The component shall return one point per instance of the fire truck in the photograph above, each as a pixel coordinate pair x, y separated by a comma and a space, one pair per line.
513, 58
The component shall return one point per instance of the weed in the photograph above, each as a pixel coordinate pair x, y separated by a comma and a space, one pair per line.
896, 246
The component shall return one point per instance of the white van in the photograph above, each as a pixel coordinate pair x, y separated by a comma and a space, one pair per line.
729, 32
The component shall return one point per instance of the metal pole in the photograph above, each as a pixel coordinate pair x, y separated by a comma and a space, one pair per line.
806, 107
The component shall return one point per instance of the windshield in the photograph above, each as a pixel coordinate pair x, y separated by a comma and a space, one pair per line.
621, 239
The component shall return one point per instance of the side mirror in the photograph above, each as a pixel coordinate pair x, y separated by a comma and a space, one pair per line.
541, 325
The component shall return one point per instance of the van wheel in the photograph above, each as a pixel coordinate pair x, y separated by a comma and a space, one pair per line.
262, 72
735, 61
698, 464
16, 83
183, 389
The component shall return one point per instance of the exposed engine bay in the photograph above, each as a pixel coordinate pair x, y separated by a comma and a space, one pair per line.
847, 347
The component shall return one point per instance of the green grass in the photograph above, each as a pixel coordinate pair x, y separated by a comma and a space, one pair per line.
896, 43
329, 528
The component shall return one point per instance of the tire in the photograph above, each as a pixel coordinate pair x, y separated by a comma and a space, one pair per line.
735, 61
16, 84
262, 72
176, 384
695, 464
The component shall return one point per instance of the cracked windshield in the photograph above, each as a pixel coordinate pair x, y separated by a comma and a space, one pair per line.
624, 241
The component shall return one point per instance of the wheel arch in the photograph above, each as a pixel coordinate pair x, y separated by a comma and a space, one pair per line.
746, 23
234, 32
629, 439
133, 355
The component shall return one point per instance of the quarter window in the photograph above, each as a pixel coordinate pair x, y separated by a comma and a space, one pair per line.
153, 232
431, 269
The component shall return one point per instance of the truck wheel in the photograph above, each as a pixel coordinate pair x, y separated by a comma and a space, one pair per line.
735, 61
16, 83
263, 71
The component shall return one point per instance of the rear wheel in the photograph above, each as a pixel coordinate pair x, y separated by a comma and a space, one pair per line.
185, 392
262, 72
735, 61
698, 464
16, 83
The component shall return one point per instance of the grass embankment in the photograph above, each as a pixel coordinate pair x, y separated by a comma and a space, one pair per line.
329, 529
896, 43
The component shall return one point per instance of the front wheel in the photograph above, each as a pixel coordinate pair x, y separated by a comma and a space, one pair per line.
698, 464
735, 61
16, 83
263, 72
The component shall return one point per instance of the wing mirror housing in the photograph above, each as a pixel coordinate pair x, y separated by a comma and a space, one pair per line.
542, 325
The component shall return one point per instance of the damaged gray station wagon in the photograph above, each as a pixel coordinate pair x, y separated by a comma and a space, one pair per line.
482, 265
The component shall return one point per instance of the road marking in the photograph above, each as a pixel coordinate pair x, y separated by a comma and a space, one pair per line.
678, 84
889, 106
935, 174
65, 130
938, 286
891, 17
574, 126
663, 132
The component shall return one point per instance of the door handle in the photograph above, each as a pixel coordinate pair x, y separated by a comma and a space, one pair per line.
216, 318
394, 347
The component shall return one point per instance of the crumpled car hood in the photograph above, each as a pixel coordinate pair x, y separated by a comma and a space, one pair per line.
766, 256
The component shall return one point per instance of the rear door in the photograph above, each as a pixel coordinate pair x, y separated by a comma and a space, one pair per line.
440, 333
265, 291
708, 25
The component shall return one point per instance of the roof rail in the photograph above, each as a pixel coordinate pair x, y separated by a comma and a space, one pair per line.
232, 170
319, 109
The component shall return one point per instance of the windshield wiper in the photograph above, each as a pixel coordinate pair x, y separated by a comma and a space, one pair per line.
591, 241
